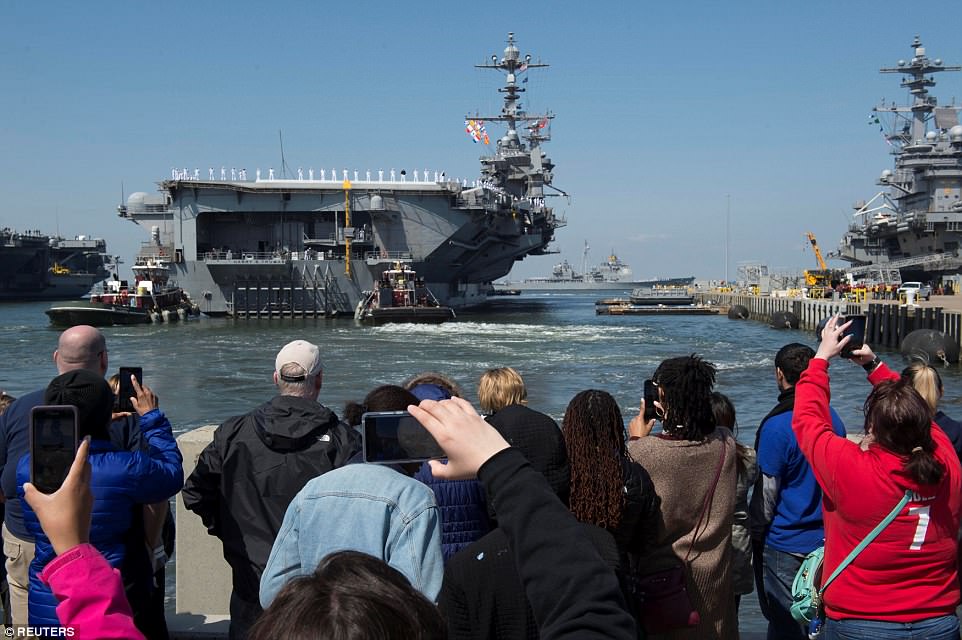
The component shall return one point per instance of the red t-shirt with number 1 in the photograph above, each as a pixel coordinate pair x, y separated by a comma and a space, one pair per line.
909, 572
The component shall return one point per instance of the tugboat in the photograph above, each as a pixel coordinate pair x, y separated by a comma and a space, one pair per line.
401, 296
153, 298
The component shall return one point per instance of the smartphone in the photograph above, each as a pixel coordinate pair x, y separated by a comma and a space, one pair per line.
53, 445
857, 331
390, 437
126, 391
651, 395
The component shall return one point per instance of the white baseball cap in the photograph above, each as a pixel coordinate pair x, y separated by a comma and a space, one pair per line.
301, 352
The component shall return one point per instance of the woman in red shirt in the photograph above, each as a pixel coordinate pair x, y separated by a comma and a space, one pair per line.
904, 584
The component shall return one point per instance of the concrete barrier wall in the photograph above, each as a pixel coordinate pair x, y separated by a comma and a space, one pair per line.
203, 576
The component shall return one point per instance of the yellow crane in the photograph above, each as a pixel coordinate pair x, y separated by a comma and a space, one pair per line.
821, 282
818, 252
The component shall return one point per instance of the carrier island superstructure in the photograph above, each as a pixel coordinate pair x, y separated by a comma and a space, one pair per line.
913, 226
312, 244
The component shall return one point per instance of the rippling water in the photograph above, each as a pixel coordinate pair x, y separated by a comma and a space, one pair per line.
207, 370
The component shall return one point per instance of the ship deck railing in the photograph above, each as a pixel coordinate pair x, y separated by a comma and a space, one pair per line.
245, 257
283, 257
376, 257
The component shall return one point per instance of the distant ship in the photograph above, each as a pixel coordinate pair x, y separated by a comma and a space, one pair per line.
912, 228
314, 242
36, 266
610, 275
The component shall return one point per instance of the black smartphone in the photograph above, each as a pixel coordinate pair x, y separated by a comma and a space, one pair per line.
390, 437
126, 391
857, 331
651, 395
53, 445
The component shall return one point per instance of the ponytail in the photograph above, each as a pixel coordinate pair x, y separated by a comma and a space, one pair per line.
923, 467
926, 381
901, 422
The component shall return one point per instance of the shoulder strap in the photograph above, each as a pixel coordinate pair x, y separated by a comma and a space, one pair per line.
711, 492
868, 539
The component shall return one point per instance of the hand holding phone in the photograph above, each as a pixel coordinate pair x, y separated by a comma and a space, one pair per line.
65, 514
392, 437
127, 390
53, 445
651, 397
468, 440
856, 330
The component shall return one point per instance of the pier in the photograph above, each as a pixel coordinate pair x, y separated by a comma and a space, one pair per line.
887, 321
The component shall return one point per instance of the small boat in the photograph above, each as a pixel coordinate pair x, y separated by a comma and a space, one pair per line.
401, 296
152, 298
667, 296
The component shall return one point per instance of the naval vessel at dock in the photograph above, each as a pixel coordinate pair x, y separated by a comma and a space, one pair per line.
36, 266
913, 227
315, 244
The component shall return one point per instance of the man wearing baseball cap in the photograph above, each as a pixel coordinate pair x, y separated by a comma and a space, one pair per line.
256, 464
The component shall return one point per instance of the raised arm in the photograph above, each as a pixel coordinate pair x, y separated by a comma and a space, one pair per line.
829, 454
571, 590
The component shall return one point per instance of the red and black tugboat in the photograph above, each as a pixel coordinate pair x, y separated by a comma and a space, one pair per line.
151, 298
401, 296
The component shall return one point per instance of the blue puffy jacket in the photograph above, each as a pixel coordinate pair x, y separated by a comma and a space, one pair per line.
464, 511
120, 481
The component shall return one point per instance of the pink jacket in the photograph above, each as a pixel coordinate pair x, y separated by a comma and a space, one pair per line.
91, 596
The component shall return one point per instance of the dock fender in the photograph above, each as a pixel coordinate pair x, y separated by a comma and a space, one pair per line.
784, 320
738, 312
931, 346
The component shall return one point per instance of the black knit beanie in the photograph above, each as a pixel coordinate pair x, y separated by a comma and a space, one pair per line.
539, 438
90, 393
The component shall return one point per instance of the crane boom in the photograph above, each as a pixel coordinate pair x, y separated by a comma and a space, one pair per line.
818, 252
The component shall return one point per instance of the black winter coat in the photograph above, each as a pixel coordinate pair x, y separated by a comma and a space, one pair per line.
247, 476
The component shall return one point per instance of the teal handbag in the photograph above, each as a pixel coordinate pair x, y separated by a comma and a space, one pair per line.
806, 595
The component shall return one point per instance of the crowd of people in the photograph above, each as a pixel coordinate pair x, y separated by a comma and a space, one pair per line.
527, 529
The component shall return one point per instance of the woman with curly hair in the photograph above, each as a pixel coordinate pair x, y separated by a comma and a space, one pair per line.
608, 488
692, 464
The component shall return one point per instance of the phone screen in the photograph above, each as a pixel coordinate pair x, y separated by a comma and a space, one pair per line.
127, 388
53, 445
651, 395
857, 331
396, 436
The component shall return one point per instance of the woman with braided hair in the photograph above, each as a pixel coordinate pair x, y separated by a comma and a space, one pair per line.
692, 464
608, 488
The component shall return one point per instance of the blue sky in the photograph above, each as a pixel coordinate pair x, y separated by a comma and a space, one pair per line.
663, 109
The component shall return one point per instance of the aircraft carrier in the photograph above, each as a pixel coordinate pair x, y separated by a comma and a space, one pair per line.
912, 228
262, 244
36, 266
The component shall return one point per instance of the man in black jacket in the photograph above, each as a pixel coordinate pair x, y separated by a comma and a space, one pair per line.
257, 462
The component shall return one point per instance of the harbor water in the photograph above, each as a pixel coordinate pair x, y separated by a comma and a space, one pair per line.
208, 369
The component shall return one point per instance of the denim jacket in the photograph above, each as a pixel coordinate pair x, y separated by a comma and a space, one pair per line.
360, 507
